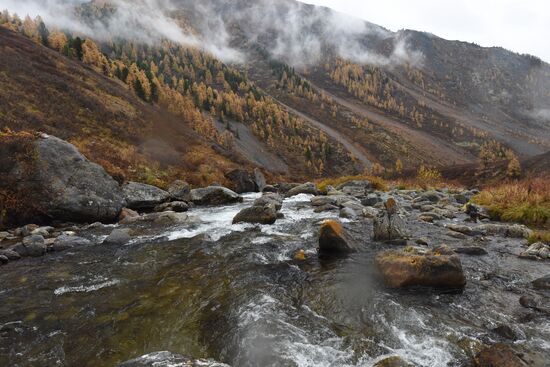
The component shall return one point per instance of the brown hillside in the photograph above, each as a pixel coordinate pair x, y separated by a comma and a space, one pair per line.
44, 91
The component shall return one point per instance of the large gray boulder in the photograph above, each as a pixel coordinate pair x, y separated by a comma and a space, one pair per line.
51, 180
143, 196
257, 214
214, 195
307, 188
179, 191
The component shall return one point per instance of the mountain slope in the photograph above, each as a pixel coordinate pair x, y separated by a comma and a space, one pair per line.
44, 91
299, 90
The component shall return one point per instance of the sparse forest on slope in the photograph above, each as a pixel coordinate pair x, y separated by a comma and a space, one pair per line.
361, 100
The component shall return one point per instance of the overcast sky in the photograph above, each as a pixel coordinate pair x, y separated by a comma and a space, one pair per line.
519, 25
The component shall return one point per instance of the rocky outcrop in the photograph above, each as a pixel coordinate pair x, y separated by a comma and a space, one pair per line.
334, 240
438, 268
214, 195
141, 196
498, 355
179, 191
257, 214
119, 236
50, 179
389, 225
307, 188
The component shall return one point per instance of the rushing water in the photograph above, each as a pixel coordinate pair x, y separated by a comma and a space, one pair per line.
210, 289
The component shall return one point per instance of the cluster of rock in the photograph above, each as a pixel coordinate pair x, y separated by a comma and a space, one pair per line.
36, 241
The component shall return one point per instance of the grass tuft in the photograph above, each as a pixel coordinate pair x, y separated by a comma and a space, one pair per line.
526, 202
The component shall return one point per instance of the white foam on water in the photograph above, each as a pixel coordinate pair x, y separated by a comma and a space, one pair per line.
265, 318
86, 288
425, 347
214, 222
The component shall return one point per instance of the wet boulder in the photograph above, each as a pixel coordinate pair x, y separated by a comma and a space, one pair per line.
32, 246
257, 214
119, 236
270, 198
141, 196
242, 181
389, 225
333, 239
214, 195
437, 268
179, 191
498, 355
52, 180
4, 260
160, 359
65, 242
307, 188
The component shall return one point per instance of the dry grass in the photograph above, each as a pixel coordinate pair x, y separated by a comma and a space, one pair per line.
526, 201
540, 236
377, 182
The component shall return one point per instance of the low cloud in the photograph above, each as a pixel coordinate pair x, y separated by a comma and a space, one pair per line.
297, 33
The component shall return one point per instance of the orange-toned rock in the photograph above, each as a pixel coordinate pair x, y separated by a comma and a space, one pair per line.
333, 239
300, 255
498, 355
434, 268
